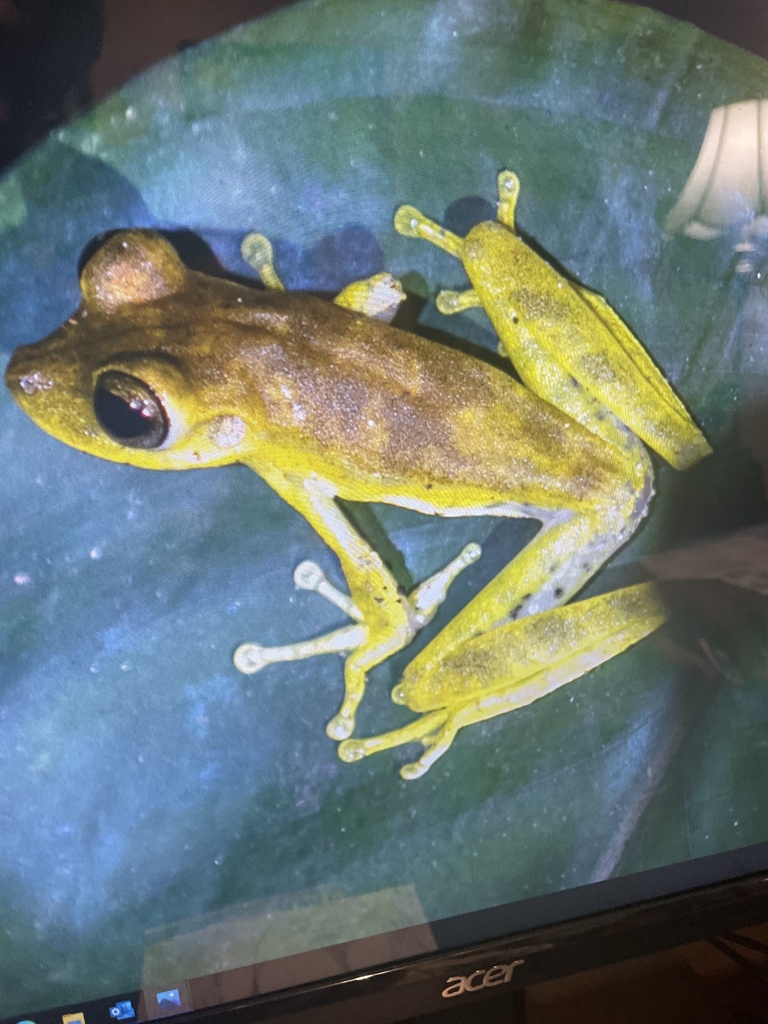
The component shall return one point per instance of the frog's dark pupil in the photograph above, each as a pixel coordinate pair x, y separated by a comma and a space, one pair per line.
129, 411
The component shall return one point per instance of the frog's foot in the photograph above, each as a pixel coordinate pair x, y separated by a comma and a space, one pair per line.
431, 730
424, 601
251, 658
509, 192
513, 666
449, 302
378, 297
420, 607
257, 252
434, 730
411, 223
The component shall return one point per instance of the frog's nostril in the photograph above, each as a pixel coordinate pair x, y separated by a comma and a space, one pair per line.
31, 383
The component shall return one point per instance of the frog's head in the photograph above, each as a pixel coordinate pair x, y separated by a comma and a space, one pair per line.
126, 377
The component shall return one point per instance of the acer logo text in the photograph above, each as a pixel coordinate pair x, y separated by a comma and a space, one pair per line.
498, 975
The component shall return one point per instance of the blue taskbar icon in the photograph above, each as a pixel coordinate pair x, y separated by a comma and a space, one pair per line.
169, 999
122, 1011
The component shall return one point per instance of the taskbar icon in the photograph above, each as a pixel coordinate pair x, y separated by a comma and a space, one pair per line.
122, 1010
169, 1001
164, 1002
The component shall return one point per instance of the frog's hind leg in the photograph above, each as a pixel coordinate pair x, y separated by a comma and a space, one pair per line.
513, 666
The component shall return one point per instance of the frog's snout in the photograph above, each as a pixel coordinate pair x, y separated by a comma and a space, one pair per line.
23, 376
31, 383
40, 386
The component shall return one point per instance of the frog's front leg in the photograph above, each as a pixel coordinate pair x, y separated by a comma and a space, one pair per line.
378, 297
385, 619
511, 667
250, 658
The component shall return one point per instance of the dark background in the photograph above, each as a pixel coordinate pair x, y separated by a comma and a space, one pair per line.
59, 56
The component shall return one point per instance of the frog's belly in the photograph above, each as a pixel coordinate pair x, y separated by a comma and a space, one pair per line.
508, 509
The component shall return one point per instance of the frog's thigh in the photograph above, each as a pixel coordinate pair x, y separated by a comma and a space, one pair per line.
514, 666
639, 395
549, 570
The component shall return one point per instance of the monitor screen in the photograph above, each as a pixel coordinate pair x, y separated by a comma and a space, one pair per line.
383, 515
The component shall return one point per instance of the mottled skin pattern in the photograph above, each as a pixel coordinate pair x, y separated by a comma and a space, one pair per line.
164, 368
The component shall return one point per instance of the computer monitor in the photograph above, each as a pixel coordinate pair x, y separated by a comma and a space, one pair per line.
180, 836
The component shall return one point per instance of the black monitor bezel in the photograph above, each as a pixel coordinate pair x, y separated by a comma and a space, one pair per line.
555, 934
546, 937
413, 987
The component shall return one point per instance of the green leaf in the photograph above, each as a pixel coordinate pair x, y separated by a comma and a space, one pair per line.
146, 784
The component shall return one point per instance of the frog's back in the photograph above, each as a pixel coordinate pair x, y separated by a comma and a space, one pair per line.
392, 413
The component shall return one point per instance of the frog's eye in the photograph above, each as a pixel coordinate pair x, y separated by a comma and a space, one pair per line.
129, 410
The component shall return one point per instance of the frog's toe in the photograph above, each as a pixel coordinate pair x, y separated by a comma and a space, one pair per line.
410, 223
256, 250
435, 745
450, 302
341, 727
509, 192
351, 750
399, 695
430, 594
309, 576
250, 658
413, 771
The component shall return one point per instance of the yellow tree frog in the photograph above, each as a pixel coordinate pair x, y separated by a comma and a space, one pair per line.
165, 368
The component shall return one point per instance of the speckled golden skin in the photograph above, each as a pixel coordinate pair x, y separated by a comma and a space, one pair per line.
325, 402
322, 390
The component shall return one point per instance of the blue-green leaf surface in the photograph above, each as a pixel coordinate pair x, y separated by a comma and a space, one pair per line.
149, 790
